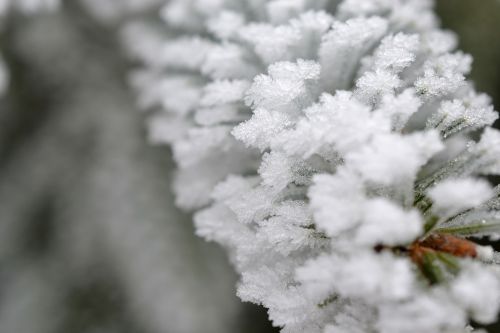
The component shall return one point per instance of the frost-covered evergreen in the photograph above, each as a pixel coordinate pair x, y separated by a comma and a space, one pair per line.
336, 150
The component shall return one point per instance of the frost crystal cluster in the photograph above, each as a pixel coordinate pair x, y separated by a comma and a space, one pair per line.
336, 150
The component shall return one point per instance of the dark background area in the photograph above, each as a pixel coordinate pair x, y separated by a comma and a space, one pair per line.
477, 23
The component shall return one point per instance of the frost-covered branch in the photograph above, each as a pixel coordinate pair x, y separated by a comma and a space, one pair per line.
330, 147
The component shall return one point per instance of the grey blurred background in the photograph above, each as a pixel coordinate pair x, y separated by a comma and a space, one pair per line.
90, 240
477, 24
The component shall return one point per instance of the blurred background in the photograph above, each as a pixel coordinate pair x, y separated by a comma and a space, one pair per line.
90, 240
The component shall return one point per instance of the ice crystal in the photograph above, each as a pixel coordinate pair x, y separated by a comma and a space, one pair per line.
330, 147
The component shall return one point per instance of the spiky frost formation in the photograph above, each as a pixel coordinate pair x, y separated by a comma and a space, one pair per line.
340, 137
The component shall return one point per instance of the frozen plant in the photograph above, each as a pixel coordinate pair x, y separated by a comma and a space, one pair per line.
336, 150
